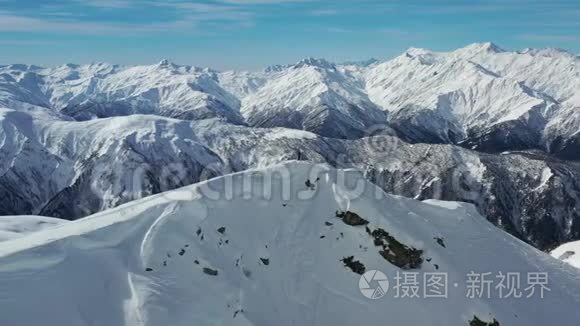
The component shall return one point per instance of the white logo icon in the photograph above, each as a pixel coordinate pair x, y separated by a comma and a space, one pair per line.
373, 284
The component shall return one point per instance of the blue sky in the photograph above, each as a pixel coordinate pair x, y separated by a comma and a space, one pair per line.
248, 34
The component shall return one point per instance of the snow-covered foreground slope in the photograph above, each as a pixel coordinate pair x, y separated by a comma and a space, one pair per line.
186, 257
569, 253
12, 227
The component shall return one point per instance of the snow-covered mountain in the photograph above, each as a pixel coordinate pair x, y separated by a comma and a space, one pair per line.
313, 95
480, 96
188, 258
71, 169
102, 90
483, 97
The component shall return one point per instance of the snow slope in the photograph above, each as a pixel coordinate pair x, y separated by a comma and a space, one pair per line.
569, 253
12, 227
186, 258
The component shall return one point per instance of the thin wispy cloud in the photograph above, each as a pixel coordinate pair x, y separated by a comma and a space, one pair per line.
109, 4
550, 37
209, 12
262, 2
277, 30
324, 12
463, 9
28, 42
187, 17
341, 30
400, 34
15, 23
394, 32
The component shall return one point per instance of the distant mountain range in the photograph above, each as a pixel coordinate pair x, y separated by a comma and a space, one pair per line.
479, 97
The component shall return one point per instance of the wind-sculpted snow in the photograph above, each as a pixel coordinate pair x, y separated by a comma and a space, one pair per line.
12, 227
479, 96
263, 258
71, 169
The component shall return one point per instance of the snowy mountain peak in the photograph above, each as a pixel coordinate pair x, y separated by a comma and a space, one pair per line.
485, 46
20, 67
164, 62
315, 62
477, 49
413, 52
275, 68
72, 65
548, 52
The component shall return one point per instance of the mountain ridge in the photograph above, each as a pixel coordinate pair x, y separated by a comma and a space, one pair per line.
474, 95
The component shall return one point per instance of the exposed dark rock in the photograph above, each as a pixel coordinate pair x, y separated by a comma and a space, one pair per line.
210, 271
440, 241
265, 261
566, 148
511, 135
182, 252
222, 230
395, 252
351, 218
567, 254
478, 322
237, 312
354, 265
148, 269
